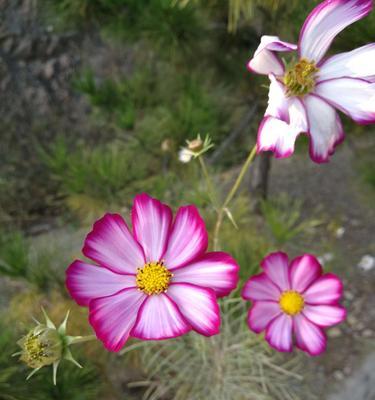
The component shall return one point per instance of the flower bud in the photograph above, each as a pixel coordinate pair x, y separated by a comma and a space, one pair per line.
41, 346
195, 145
47, 345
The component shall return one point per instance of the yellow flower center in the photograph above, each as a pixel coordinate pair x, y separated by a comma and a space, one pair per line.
300, 79
153, 278
291, 302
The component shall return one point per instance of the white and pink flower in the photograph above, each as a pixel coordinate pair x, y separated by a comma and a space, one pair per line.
304, 96
155, 283
294, 299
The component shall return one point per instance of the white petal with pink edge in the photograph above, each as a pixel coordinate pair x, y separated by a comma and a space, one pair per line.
325, 290
198, 306
159, 318
260, 287
264, 60
326, 21
188, 238
113, 317
86, 282
261, 314
324, 315
278, 136
358, 63
276, 267
325, 128
278, 103
111, 244
279, 333
151, 225
216, 270
354, 97
309, 337
304, 270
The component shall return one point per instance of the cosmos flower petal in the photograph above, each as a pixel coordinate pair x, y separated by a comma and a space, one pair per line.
358, 63
188, 238
198, 306
354, 97
86, 282
111, 244
261, 314
159, 318
325, 315
216, 270
278, 103
279, 333
260, 287
113, 317
276, 267
325, 128
325, 290
326, 21
304, 270
151, 224
264, 60
309, 337
278, 136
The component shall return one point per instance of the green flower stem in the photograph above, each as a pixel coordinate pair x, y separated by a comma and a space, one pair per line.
210, 186
230, 196
82, 339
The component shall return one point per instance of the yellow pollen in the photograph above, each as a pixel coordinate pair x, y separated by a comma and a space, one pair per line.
153, 278
291, 302
300, 79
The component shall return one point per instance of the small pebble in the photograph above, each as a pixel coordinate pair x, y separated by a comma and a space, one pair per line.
367, 262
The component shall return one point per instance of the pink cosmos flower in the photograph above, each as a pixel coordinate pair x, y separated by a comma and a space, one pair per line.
155, 283
303, 96
294, 298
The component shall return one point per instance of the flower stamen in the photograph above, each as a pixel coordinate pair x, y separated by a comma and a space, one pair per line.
291, 302
153, 278
300, 79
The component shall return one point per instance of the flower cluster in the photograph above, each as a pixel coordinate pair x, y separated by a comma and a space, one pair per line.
156, 280
303, 96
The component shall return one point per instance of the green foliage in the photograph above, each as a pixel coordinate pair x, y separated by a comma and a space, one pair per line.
20, 260
233, 365
283, 217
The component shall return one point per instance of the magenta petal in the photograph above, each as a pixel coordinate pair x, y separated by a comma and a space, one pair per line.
325, 290
309, 337
261, 314
276, 267
86, 282
265, 61
198, 306
279, 333
358, 63
111, 244
151, 225
260, 287
354, 97
216, 270
326, 130
327, 20
324, 315
159, 318
188, 238
113, 317
304, 270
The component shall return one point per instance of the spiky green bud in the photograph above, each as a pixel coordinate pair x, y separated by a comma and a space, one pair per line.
47, 345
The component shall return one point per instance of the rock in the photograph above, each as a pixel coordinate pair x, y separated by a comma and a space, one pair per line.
367, 263
339, 375
49, 69
24, 48
368, 333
